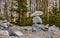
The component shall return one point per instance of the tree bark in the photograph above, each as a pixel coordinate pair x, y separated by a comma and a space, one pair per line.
5, 10
0, 6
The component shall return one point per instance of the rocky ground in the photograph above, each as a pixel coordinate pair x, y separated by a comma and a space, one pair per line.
26, 31
28, 34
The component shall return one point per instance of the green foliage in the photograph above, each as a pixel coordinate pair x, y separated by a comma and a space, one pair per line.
21, 6
15, 23
55, 10
44, 19
58, 21
21, 10
54, 17
54, 20
29, 22
24, 21
1, 18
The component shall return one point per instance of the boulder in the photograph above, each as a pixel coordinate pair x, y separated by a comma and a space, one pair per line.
4, 23
53, 28
38, 27
4, 32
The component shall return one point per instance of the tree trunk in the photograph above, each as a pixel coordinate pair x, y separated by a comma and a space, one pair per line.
5, 10
11, 11
0, 8
59, 4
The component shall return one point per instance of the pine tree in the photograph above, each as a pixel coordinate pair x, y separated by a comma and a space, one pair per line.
21, 9
54, 17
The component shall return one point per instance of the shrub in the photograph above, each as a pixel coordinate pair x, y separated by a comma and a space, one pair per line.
1, 18
24, 21
53, 20
44, 19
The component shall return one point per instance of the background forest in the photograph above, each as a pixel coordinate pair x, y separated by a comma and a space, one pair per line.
16, 11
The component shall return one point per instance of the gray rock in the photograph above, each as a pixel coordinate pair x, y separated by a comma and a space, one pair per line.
4, 33
38, 27
37, 19
10, 31
4, 23
18, 33
37, 24
53, 28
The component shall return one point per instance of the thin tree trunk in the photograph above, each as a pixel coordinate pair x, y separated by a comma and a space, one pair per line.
11, 11
59, 4
36, 4
0, 8
5, 10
